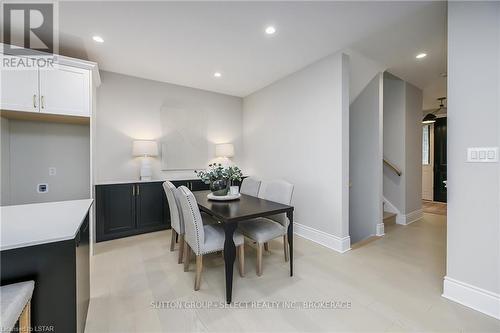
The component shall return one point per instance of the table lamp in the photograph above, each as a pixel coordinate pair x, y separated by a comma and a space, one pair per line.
145, 149
224, 150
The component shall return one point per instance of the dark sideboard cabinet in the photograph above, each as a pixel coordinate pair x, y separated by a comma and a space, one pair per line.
134, 208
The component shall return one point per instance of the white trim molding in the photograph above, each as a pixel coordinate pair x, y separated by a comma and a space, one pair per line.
339, 244
389, 207
380, 229
471, 296
410, 217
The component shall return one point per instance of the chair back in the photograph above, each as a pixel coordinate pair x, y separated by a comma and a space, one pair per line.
278, 191
250, 186
193, 224
176, 220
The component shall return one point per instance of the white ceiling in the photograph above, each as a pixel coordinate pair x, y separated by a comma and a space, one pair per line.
185, 43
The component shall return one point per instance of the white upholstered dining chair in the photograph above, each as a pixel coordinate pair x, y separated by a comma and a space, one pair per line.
176, 221
264, 229
250, 186
203, 239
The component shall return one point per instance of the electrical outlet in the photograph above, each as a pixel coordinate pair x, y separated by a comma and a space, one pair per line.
42, 188
52, 171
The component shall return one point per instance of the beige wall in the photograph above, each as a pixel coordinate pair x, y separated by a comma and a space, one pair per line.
394, 140
473, 121
403, 144
4, 161
298, 129
36, 146
129, 108
413, 148
365, 161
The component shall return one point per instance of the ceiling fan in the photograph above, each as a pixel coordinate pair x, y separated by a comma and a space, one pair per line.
431, 116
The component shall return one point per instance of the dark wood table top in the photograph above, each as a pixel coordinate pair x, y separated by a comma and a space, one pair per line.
246, 207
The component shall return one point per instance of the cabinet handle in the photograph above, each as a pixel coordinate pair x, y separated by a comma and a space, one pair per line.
138, 190
43, 102
34, 101
133, 190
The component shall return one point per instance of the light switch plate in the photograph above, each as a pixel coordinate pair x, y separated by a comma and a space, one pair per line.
482, 154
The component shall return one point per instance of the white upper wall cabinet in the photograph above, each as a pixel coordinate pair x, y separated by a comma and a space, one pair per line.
65, 90
19, 89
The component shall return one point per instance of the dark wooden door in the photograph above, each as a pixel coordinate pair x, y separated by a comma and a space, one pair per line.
440, 159
151, 204
115, 211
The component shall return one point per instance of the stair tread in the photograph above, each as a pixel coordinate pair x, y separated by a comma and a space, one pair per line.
388, 215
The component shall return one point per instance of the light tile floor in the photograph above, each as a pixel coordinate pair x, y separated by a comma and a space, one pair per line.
393, 284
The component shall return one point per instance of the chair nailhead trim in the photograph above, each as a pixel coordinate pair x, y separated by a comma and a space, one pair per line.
189, 198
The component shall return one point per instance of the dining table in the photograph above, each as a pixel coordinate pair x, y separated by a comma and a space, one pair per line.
229, 213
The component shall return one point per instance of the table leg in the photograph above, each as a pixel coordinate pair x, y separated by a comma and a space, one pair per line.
289, 214
229, 257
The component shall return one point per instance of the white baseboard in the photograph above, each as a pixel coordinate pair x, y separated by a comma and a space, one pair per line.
380, 229
410, 217
471, 296
339, 244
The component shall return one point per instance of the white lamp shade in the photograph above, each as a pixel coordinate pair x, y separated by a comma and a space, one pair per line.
144, 148
224, 150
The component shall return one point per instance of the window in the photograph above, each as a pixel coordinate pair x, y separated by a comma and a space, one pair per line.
426, 143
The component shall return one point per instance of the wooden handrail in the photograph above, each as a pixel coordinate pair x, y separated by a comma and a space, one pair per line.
393, 167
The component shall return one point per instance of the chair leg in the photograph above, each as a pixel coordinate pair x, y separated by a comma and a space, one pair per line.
181, 249
199, 267
241, 259
259, 258
286, 248
172, 240
25, 319
266, 246
187, 256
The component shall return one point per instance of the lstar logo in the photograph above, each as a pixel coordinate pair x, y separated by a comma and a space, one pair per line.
30, 26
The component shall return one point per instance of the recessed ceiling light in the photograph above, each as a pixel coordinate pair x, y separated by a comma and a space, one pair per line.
270, 30
217, 74
98, 39
421, 55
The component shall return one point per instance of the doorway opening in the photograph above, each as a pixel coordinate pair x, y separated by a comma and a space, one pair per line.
434, 160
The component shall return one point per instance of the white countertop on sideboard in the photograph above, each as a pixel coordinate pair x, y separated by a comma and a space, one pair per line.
41, 223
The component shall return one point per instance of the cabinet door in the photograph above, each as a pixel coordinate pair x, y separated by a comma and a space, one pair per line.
178, 183
65, 90
151, 201
198, 185
115, 211
19, 87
